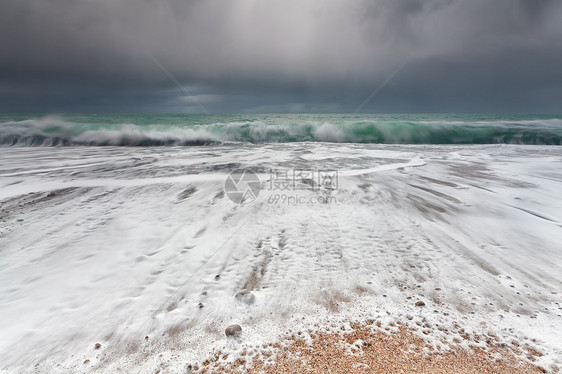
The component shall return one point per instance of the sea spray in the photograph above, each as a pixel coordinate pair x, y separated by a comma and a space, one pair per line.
184, 130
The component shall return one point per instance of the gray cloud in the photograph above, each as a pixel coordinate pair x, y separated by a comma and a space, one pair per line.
304, 54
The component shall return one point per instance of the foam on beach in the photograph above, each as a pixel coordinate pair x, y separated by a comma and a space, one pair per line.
140, 251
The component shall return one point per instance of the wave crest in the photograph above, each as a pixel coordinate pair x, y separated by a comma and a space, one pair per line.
55, 131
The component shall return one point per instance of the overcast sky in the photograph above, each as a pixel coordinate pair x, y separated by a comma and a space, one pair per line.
281, 56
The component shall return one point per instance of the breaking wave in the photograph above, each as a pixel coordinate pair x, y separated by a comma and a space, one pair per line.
56, 131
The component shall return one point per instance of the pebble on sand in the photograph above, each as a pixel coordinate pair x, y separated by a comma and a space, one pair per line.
420, 303
246, 297
233, 330
97, 346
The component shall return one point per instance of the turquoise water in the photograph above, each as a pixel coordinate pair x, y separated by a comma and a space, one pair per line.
181, 129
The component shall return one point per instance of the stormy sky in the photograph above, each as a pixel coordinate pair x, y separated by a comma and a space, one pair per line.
281, 56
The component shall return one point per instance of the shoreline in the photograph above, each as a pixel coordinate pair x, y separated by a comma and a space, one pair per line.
117, 250
366, 348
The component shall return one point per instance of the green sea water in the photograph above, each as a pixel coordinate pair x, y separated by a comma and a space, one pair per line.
194, 129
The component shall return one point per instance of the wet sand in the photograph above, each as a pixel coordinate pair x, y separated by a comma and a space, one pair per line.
365, 349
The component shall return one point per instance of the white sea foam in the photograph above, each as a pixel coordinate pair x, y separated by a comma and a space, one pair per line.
109, 245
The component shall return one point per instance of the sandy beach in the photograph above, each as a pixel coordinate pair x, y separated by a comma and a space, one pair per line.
362, 348
280, 186
133, 259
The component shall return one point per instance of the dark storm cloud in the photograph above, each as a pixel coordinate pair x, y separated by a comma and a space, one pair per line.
299, 55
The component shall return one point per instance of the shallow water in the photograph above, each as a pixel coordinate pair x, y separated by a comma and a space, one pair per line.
113, 244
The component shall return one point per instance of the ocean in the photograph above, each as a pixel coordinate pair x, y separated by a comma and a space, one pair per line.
157, 130
151, 234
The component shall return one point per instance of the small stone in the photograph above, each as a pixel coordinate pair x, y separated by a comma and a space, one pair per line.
245, 297
86, 362
233, 330
437, 289
204, 293
201, 305
420, 303
97, 346
146, 337
217, 277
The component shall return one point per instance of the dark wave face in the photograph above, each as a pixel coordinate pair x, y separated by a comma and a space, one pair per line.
184, 130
